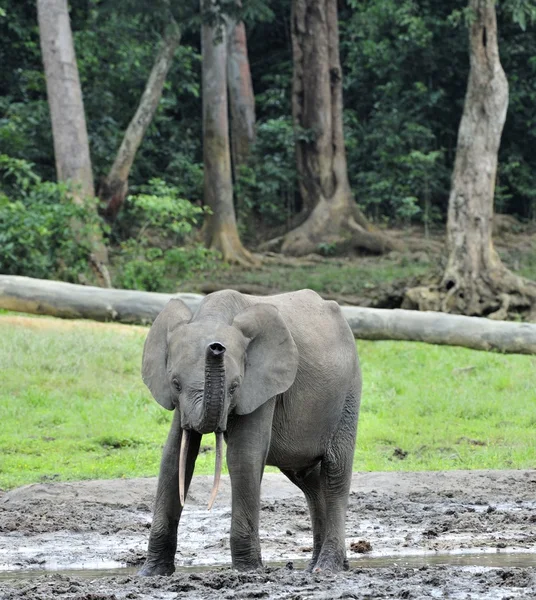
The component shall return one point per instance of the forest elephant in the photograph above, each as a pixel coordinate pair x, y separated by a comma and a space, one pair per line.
278, 378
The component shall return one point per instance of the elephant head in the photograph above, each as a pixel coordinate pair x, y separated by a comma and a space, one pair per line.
207, 368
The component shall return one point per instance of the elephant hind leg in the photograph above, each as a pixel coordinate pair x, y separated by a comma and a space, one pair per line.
311, 486
336, 477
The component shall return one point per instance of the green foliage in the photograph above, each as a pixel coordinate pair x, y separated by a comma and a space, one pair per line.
267, 188
406, 66
396, 132
25, 130
158, 205
157, 257
521, 11
42, 232
115, 44
139, 267
87, 415
123, 41
517, 168
326, 249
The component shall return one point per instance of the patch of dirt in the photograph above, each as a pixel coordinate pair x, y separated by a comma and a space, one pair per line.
41, 323
399, 516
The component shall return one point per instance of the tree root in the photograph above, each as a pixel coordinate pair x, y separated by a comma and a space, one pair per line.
498, 294
273, 245
232, 250
101, 271
418, 245
370, 240
326, 232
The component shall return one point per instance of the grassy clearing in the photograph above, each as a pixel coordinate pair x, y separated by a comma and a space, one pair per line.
447, 408
72, 406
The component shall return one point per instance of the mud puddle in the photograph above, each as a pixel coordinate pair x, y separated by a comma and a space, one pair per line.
490, 560
456, 535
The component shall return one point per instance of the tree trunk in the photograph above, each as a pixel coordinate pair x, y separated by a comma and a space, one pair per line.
317, 106
114, 187
241, 97
475, 281
71, 146
67, 300
221, 232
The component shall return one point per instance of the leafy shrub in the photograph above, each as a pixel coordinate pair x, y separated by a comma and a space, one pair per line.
37, 220
158, 208
157, 257
156, 270
137, 272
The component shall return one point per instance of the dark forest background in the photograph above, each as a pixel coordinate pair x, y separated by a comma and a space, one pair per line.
405, 67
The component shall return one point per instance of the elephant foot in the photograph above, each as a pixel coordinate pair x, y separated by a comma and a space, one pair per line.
246, 554
250, 563
248, 566
152, 568
330, 562
312, 563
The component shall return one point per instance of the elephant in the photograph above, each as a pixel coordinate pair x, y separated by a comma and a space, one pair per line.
276, 377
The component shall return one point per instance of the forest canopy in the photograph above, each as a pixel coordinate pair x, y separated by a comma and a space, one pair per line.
405, 67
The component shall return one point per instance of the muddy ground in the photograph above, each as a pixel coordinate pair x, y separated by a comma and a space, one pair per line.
456, 535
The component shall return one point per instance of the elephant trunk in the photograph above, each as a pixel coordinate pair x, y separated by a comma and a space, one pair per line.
213, 405
214, 396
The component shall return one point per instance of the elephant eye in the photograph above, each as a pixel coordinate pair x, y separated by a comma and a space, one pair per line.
233, 387
176, 384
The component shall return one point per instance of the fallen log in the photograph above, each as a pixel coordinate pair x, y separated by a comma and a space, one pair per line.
71, 301
67, 300
440, 328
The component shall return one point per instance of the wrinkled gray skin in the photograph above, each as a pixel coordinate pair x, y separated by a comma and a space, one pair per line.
280, 376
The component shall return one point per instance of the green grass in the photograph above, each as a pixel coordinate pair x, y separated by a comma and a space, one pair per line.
448, 408
72, 406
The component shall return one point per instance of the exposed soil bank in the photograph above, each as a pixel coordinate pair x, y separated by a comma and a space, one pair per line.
104, 524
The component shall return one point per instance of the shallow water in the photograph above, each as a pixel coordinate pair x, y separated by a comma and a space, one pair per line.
492, 559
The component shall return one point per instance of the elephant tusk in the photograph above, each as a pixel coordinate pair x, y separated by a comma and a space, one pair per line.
185, 442
217, 470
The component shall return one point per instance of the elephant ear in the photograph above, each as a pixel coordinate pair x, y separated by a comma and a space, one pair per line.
155, 350
271, 356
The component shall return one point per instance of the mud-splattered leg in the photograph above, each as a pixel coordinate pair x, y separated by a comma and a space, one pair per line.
311, 485
248, 440
336, 477
167, 511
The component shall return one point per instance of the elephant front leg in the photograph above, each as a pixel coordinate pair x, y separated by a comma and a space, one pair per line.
167, 511
248, 441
